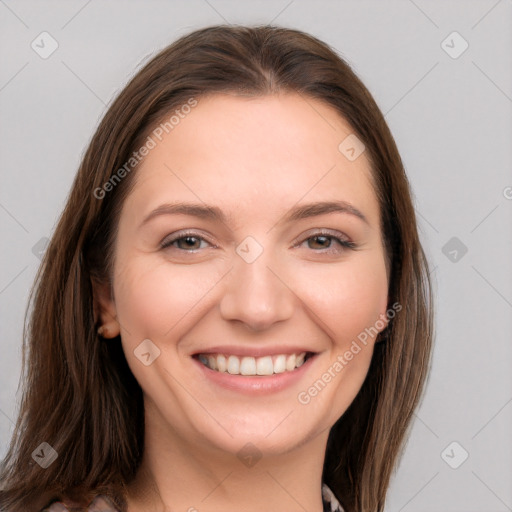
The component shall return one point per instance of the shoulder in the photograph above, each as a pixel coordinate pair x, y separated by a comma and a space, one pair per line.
331, 503
99, 504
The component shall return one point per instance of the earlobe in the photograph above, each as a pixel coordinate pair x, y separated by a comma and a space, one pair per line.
385, 320
382, 336
105, 312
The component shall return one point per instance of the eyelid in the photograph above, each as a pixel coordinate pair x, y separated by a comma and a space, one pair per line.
338, 236
171, 238
322, 232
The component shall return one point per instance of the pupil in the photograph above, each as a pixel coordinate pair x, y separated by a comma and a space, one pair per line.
190, 241
322, 239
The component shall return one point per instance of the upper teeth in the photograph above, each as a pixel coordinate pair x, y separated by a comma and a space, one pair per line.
266, 365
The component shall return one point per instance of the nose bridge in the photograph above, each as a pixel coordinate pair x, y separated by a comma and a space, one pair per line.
254, 294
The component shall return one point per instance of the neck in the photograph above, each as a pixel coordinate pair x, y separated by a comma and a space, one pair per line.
175, 475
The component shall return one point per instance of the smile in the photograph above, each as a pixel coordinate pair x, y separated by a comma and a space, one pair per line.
251, 366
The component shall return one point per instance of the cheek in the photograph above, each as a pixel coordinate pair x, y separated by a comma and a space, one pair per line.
347, 297
154, 297
349, 304
346, 301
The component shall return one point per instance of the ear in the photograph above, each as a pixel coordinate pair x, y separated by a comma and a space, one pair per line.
383, 322
392, 310
105, 312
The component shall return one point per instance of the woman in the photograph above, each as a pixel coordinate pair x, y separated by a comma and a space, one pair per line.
234, 311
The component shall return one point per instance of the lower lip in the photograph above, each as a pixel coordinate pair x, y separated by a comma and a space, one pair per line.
259, 385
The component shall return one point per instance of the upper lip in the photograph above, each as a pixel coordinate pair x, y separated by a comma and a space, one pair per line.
242, 351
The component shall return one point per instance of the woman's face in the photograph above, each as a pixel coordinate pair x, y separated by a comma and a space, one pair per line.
250, 239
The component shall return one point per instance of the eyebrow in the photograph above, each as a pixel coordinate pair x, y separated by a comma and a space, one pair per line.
201, 211
321, 208
213, 213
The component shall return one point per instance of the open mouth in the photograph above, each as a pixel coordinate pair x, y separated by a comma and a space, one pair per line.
253, 366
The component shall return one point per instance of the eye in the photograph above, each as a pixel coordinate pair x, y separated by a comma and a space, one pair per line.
189, 242
324, 241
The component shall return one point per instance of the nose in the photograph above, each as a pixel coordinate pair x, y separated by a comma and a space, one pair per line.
257, 294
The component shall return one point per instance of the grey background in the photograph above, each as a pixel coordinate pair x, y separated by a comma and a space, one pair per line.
451, 118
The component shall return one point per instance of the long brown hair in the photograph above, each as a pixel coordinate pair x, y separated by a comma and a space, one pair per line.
79, 395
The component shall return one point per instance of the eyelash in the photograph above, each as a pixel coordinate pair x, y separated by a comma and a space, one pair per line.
345, 244
188, 234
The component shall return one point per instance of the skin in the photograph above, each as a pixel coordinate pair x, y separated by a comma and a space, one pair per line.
255, 159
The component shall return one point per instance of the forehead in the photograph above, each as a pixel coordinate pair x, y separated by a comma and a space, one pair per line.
257, 155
